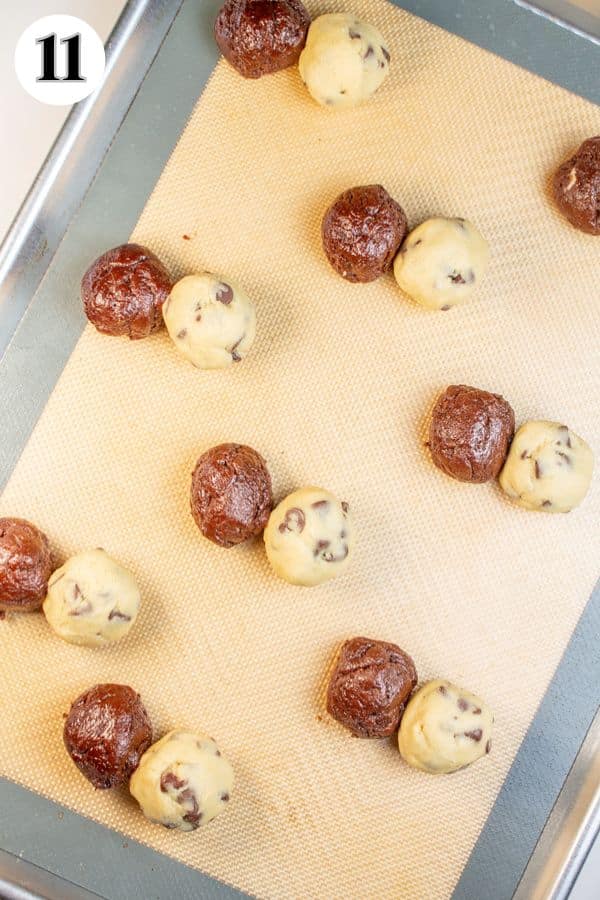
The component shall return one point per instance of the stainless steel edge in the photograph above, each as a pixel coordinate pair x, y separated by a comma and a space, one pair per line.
71, 164
21, 880
572, 827
567, 15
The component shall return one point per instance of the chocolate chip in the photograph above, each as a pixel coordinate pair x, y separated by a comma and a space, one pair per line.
186, 237
354, 35
188, 800
416, 243
225, 798
456, 278
234, 354
224, 294
170, 779
546, 502
122, 617
320, 505
294, 520
342, 535
538, 469
320, 546
370, 52
386, 53
462, 704
343, 92
181, 334
330, 557
199, 317
475, 735
442, 690
525, 454
446, 307
488, 746
217, 752
477, 712
565, 456
345, 507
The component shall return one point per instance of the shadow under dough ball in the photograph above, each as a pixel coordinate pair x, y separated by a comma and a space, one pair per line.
370, 687
362, 231
577, 187
106, 733
231, 495
25, 566
470, 433
258, 37
123, 291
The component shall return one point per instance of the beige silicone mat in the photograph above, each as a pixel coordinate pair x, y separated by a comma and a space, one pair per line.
335, 392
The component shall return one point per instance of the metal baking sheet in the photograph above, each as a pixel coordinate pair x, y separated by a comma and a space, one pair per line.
90, 194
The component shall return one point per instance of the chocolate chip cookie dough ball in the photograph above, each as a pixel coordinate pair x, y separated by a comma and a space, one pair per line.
211, 320
370, 686
344, 62
362, 231
442, 262
25, 566
231, 495
309, 537
183, 781
92, 600
577, 187
123, 291
549, 468
261, 36
106, 733
470, 433
444, 728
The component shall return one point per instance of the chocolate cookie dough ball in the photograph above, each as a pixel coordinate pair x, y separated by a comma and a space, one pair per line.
92, 600
470, 433
309, 537
231, 495
362, 231
370, 686
577, 187
123, 291
444, 728
183, 781
106, 733
25, 566
549, 468
442, 263
344, 62
211, 320
261, 36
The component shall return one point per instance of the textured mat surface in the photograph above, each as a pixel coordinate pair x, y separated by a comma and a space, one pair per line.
336, 392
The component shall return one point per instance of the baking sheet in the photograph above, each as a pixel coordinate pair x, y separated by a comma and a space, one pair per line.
350, 420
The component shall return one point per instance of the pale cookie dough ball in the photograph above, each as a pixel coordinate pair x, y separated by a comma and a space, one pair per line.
182, 781
344, 60
92, 599
211, 320
442, 262
309, 537
444, 728
548, 468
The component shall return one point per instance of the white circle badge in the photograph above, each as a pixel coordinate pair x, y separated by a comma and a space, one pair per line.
59, 60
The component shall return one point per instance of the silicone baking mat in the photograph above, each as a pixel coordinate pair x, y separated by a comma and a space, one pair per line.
336, 391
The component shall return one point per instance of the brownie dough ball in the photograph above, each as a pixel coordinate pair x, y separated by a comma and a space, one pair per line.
261, 36
25, 566
577, 187
231, 495
211, 320
92, 600
549, 468
183, 781
106, 733
444, 728
344, 62
309, 537
362, 231
442, 262
123, 291
470, 433
370, 686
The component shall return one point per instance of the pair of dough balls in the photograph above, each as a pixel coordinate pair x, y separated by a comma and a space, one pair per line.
545, 466
308, 536
441, 727
128, 291
182, 781
342, 60
439, 264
